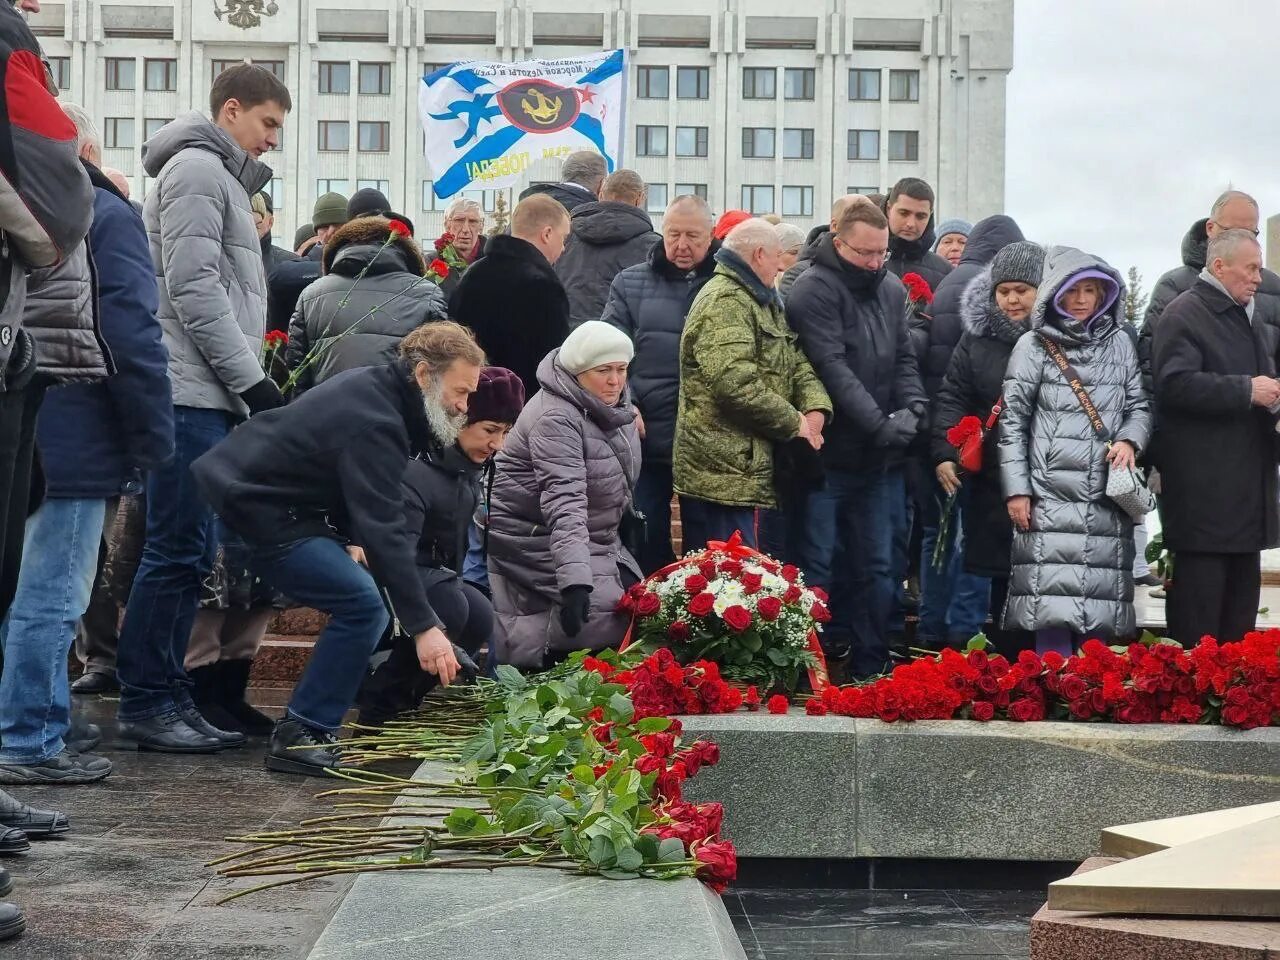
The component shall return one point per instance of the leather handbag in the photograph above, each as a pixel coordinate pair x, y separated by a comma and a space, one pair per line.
971, 449
1125, 486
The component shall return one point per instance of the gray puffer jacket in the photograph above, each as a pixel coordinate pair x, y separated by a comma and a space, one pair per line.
1074, 568
346, 320
62, 317
562, 483
213, 288
606, 237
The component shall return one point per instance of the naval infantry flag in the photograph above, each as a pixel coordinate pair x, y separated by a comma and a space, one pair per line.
486, 122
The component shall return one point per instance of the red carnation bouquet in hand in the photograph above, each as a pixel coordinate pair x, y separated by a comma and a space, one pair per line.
918, 290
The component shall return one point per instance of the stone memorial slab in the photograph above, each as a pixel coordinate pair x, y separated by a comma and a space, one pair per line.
1150, 836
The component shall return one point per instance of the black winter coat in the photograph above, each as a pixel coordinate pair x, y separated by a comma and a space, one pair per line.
606, 238
973, 384
855, 335
570, 195
988, 238
285, 285
441, 492
1218, 452
331, 464
649, 303
515, 305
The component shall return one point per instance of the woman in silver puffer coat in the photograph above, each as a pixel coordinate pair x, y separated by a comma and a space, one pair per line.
1072, 547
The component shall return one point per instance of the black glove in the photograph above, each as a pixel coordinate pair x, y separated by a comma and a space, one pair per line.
899, 430
263, 395
918, 407
469, 669
575, 608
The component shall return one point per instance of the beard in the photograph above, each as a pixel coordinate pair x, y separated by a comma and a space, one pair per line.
445, 424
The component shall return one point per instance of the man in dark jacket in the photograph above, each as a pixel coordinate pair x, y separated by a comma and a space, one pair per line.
511, 298
649, 303
335, 460
581, 175
810, 248
1215, 369
96, 437
605, 237
851, 317
909, 209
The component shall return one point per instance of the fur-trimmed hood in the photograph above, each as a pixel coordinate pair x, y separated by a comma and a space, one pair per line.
362, 243
980, 315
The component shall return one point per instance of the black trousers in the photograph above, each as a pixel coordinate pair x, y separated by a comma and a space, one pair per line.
21, 481
1214, 594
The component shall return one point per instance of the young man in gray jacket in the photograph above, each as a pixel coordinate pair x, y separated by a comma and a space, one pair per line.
213, 295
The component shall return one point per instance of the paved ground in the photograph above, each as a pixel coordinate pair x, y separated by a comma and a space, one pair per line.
129, 882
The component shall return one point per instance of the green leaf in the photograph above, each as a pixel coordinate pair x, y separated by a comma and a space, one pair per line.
652, 725
555, 716
510, 678
601, 852
977, 642
670, 850
751, 641
629, 858
777, 656
584, 774
619, 875
621, 708
553, 818
464, 822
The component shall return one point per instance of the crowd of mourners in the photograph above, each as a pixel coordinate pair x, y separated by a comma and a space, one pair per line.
464, 458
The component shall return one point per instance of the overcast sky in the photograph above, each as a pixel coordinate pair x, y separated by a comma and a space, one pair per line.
1127, 117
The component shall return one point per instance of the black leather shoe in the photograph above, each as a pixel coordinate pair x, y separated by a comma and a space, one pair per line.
12, 922
297, 748
196, 721
96, 682
83, 736
167, 733
233, 680
12, 840
36, 824
66, 767
6, 882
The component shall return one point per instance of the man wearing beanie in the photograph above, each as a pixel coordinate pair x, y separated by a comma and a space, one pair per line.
329, 213
443, 488
368, 202
952, 235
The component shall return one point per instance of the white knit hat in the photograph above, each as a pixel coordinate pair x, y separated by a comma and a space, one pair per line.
594, 344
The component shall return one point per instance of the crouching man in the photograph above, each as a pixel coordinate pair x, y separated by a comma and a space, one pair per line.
300, 482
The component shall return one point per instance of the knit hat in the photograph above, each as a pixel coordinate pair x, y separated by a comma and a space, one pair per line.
1020, 262
954, 225
593, 344
330, 211
303, 234
728, 220
368, 202
260, 203
499, 397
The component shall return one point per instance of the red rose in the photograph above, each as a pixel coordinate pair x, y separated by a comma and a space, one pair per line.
1072, 687
708, 569
792, 595
731, 568
769, 608
399, 228
820, 613
695, 584
789, 572
702, 604
678, 631
444, 241
1025, 709
717, 864
751, 583
752, 698
737, 618
815, 708
778, 704
440, 268
648, 604
820, 594
984, 710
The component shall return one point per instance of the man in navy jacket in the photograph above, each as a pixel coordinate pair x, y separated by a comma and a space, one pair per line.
95, 438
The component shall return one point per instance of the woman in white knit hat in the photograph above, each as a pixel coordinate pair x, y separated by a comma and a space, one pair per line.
557, 565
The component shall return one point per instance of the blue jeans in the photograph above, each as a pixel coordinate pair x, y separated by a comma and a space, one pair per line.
849, 552
653, 499
316, 572
60, 558
180, 547
702, 521
475, 567
953, 604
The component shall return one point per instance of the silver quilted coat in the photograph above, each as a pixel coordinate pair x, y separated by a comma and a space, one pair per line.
1074, 567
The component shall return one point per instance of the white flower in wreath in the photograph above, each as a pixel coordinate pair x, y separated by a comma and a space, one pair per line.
723, 603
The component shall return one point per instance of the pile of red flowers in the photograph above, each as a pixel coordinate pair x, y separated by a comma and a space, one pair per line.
660, 687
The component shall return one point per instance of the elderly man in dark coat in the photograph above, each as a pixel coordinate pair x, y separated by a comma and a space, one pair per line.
1214, 367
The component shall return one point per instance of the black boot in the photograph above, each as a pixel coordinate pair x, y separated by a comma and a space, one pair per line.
6, 883
12, 840
233, 684
298, 748
12, 923
167, 733
36, 824
206, 694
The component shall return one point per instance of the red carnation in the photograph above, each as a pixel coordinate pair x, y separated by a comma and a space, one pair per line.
440, 268
695, 584
399, 228
702, 604
737, 618
678, 631
276, 339
648, 604
959, 435
770, 608
778, 704
752, 698
815, 707
918, 289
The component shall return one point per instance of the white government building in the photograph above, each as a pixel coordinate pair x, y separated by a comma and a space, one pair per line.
727, 98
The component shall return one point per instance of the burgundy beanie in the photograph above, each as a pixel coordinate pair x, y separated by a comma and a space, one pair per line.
499, 397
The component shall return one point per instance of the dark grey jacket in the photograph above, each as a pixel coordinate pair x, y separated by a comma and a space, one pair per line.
649, 303
62, 317
607, 236
213, 286
562, 483
1074, 567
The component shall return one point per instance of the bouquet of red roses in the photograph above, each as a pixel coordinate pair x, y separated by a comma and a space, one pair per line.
734, 606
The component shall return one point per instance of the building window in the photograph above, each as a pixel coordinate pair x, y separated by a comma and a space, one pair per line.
335, 135
429, 195
375, 79
653, 83
382, 186
656, 198
375, 136
904, 85
121, 73
797, 201
332, 186
693, 83
60, 70
691, 141
864, 144
151, 126
335, 78
118, 133
904, 145
691, 190
798, 83
218, 67
162, 74
797, 143
758, 142
275, 190
651, 141
757, 199
488, 199
863, 191
275, 66
864, 84
759, 83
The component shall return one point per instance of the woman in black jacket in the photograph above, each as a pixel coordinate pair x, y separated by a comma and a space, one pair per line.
995, 308
443, 490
